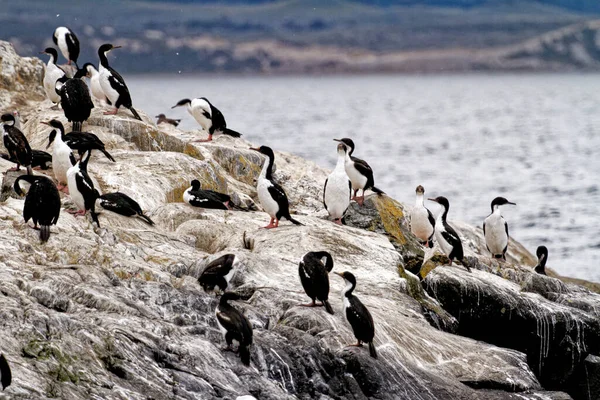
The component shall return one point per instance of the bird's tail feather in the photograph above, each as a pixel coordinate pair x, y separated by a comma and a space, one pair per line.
377, 190
135, 114
231, 132
44, 233
77, 126
328, 307
107, 154
146, 219
292, 220
372, 350
245, 354
29, 170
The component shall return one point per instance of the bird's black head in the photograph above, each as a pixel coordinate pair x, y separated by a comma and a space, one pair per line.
88, 68
81, 72
182, 103
542, 255
420, 190
441, 200
51, 51
348, 143
195, 184
106, 47
54, 124
8, 119
348, 276
500, 201
267, 151
160, 116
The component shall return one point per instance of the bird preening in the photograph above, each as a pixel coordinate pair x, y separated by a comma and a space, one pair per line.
208, 117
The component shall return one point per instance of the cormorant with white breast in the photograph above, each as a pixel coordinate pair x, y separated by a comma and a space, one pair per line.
422, 223
542, 255
163, 118
235, 326
5, 374
75, 99
16, 144
95, 87
62, 155
272, 197
218, 273
197, 197
113, 85
80, 141
208, 116
314, 269
495, 230
338, 188
67, 42
42, 202
124, 205
446, 236
357, 314
81, 188
52, 73
359, 172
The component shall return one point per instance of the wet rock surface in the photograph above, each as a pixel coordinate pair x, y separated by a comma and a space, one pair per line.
116, 312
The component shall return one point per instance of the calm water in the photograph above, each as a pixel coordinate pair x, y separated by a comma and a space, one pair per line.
531, 138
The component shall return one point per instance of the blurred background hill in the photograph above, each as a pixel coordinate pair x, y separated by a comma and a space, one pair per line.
314, 36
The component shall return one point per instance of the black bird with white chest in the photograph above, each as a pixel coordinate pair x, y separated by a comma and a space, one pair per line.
235, 326
359, 172
422, 223
446, 236
75, 99
495, 230
42, 202
314, 269
16, 144
542, 255
80, 141
113, 85
5, 374
81, 188
67, 42
208, 116
197, 197
357, 314
218, 273
122, 204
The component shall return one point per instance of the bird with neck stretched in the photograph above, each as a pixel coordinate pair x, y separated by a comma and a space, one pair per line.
446, 236
52, 73
338, 188
81, 188
422, 222
495, 230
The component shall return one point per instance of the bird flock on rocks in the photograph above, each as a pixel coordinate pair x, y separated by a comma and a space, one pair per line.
65, 88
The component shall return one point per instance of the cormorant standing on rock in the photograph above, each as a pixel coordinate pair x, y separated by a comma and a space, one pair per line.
446, 236
495, 230
422, 223
80, 141
16, 144
542, 255
52, 73
62, 155
338, 188
81, 188
5, 374
95, 87
314, 269
235, 326
75, 98
42, 202
67, 42
208, 116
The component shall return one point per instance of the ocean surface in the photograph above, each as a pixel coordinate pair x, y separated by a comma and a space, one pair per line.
534, 139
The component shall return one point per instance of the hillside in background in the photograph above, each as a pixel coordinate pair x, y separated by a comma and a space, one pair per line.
317, 36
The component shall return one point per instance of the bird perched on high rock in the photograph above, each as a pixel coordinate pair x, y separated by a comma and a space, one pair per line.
235, 326
495, 230
42, 202
16, 144
422, 223
357, 314
542, 255
113, 85
52, 73
446, 236
80, 141
67, 42
122, 204
75, 99
272, 197
314, 269
162, 118
208, 116
359, 172
218, 273
62, 154
338, 188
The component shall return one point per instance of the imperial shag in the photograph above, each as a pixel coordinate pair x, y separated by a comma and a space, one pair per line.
113, 85
314, 269
42, 202
80, 141
68, 44
495, 230
95, 87
359, 172
338, 188
542, 255
75, 99
16, 144
422, 223
272, 197
124, 205
5, 374
208, 116
162, 118
235, 326
217, 274
446, 236
62, 155
197, 197
52, 73
357, 314
81, 188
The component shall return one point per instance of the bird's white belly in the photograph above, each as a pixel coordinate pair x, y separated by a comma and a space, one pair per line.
61, 162
495, 235
204, 122
358, 180
444, 245
221, 328
419, 223
337, 194
74, 193
108, 90
53, 73
62, 45
266, 201
96, 88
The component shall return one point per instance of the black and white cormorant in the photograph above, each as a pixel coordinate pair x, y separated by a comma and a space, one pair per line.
67, 42
39, 159
80, 141
5, 374
113, 85
314, 269
208, 116
62, 154
16, 144
95, 87
124, 205
422, 222
52, 73
218, 273
81, 188
75, 99
162, 118
542, 255
42, 202
272, 197
235, 326
338, 188
197, 197
357, 314
446, 236
495, 230
359, 172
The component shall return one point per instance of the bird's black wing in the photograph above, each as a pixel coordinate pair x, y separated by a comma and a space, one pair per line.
234, 321
361, 320
218, 120
47, 201
17, 145
87, 189
278, 194
72, 46
118, 83
206, 199
430, 218
484, 228
450, 235
506, 229
40, 159
115, 202
221, 266
5, 374
222, 197
365, 169
324, 189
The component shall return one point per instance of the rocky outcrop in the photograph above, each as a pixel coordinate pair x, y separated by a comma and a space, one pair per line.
116, 312
20, 78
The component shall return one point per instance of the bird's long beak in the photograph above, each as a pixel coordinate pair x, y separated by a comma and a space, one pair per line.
339, 273
255, 149
176, 105
430, 199
48, 146
45, 123
156, 116
510, 202
337, 140
42, 52
117, 47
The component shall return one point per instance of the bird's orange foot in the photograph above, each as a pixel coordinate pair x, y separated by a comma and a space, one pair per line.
114, 112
